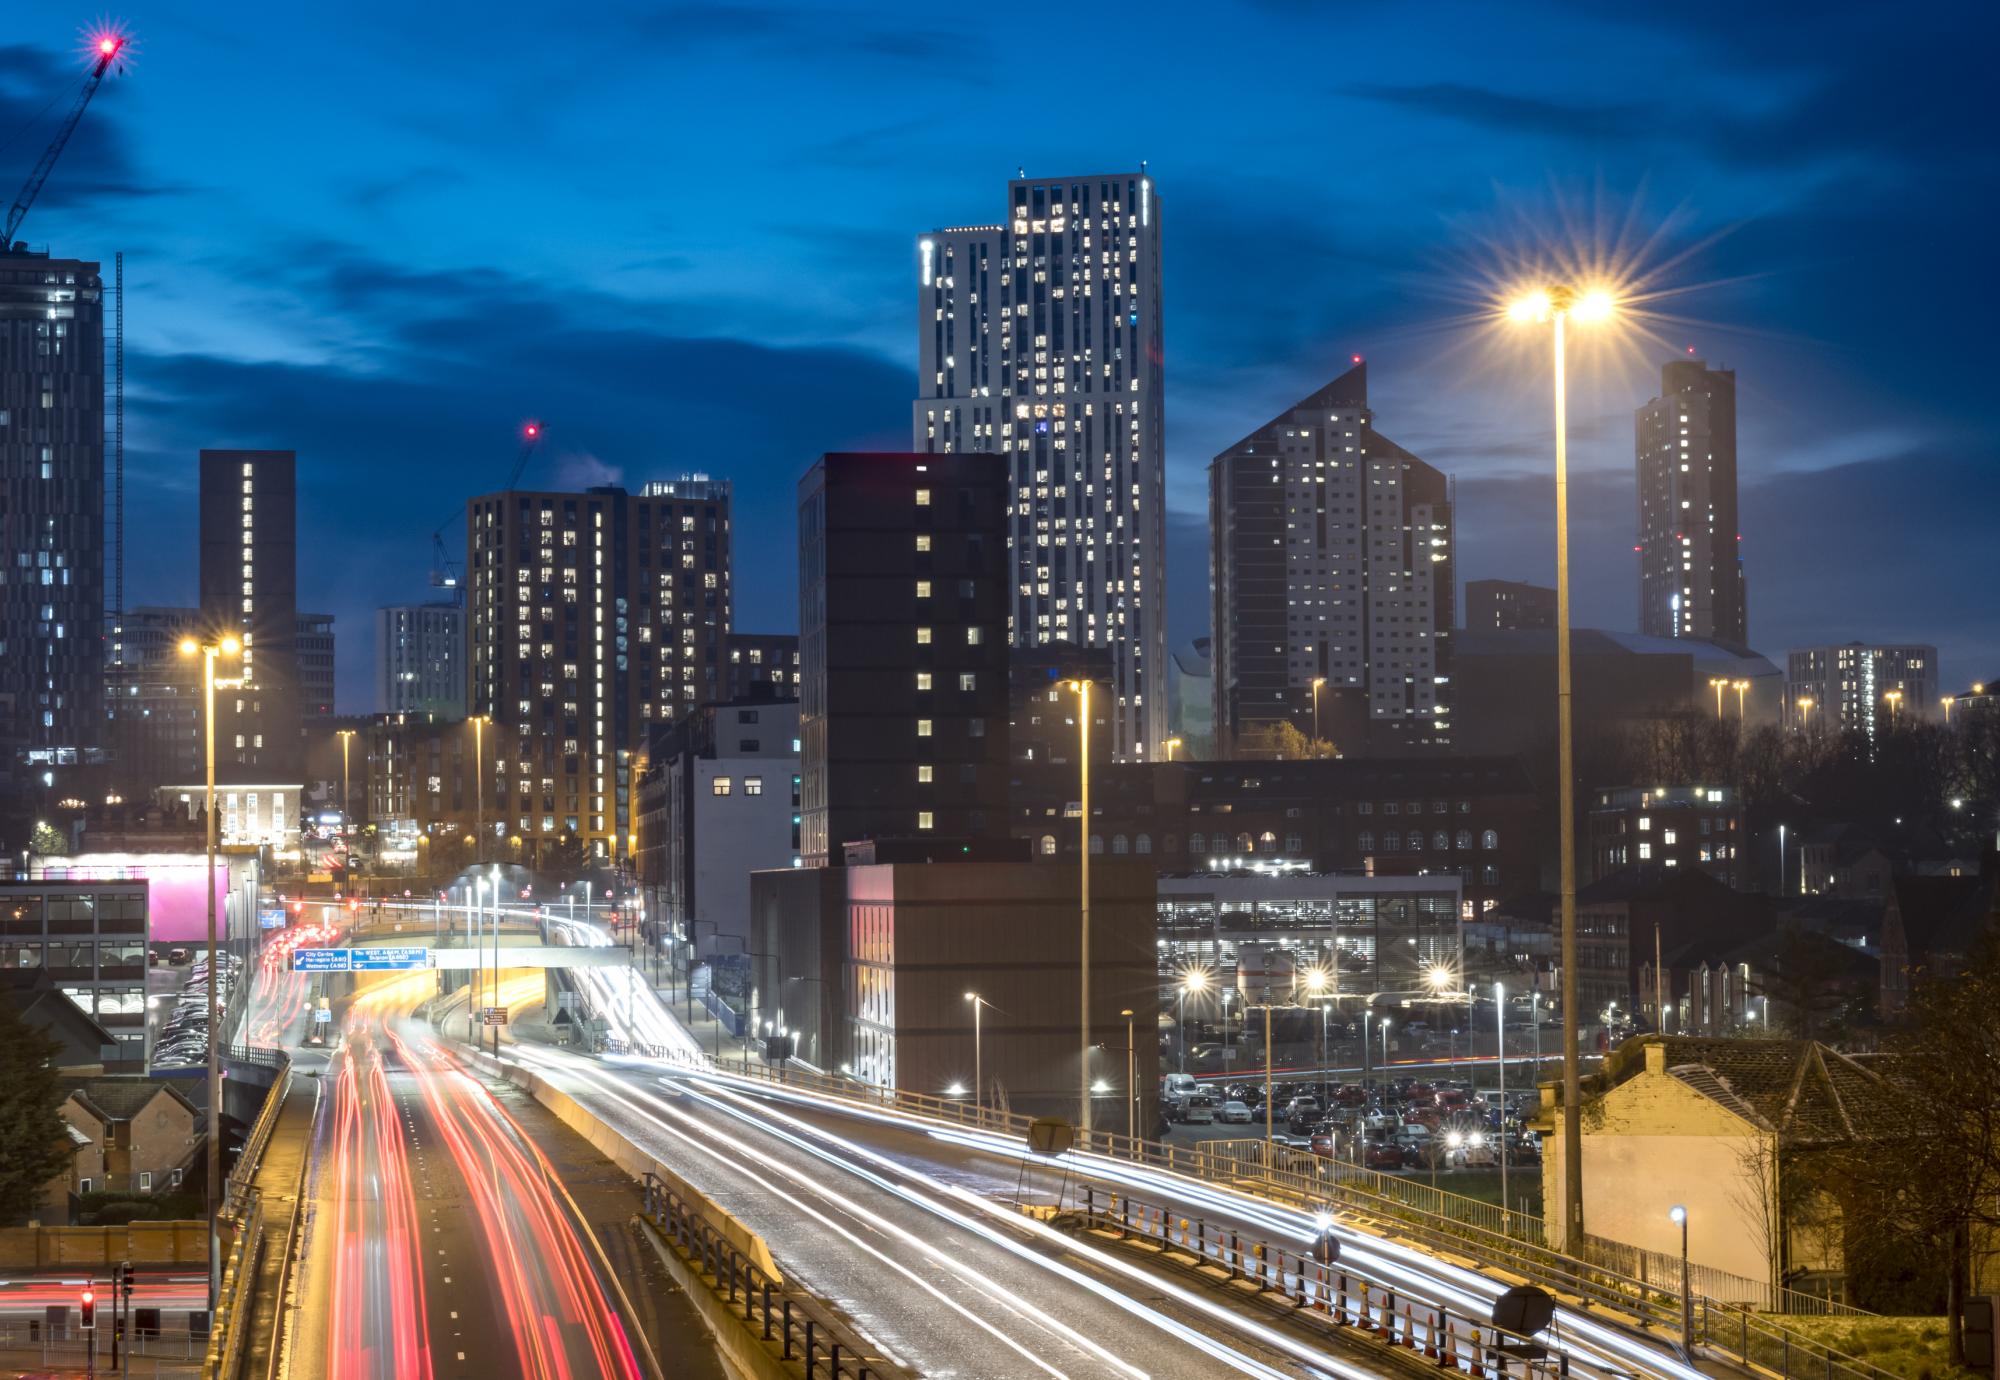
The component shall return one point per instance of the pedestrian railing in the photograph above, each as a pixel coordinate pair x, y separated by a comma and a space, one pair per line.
252, 1153
133, 1352
804, 1330
229, 1329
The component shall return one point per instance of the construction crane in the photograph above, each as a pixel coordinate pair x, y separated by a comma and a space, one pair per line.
107, 49
445, 572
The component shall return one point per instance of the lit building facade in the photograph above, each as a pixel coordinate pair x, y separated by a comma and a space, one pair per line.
1332, 564
1040, 340
1508, 605
52, 488
1858, 687
1690, 546
420, 660
249, 587
593, 616
1698, 828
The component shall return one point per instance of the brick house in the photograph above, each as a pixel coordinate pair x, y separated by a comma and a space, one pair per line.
141, 1134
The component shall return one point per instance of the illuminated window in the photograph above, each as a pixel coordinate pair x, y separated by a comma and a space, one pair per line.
923, 498
923, 637
923, 589
753, 785
925, 774
923, 819
720, 785
923, 728
924, 542
923, 680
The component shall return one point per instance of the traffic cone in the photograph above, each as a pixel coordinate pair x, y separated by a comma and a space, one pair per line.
1431, 1337
1448, 1352
1409, 1329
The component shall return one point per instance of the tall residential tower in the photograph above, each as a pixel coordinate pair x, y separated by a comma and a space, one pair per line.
1332, 573
1690, 548
1040, 340
51, 504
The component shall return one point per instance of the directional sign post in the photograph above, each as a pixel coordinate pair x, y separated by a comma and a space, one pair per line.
494, 1015
322, 960
390, 958
322, 1016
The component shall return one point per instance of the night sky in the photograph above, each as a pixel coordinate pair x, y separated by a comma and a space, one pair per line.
683, 236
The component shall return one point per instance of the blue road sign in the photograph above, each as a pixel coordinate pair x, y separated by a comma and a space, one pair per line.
322, 960
389, 958
271, 919
322, 1016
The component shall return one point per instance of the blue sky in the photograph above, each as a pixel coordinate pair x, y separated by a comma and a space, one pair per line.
682, 236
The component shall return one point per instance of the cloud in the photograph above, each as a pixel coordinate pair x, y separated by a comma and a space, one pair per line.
1499, 110
37, 90
802, 32
393, 442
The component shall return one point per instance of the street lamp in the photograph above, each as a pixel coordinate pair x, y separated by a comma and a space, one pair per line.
1500, 1063
1947, 701
346, 736
1557, 306
1170, 745
1739, 687
1805, 704
226, 645
1193, 980
1718, 685
1895, 699
978, 1055
479, 722
1678, 1215
1317, 682
1082, 689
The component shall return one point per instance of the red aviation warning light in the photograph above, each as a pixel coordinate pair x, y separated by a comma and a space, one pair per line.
531, 431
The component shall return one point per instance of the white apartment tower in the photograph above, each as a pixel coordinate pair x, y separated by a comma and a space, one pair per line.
1690, 549
1040, 339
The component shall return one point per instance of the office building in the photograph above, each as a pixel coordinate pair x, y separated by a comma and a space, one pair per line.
762, 664
1860, 687
1331, 565
314, 644
1040, 340
1477, 817
1508, 605
1696, 828
719, 799
594, 615
90, 938
902, 649
249, 588
51, 504
1690, 546
420, 660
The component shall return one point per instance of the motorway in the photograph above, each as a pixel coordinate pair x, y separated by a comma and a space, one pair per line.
438, 1240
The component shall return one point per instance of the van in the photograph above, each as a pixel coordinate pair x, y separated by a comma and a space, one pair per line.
1178, 1087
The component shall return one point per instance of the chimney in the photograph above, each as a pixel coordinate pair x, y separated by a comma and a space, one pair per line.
1656, 1056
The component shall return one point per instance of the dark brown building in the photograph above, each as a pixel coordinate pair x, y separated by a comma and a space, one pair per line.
1695, 827
1475, 817
761, 665
249, 587
903, 649
1508, 605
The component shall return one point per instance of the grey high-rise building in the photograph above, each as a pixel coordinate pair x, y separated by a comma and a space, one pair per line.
1508, 605
1332, 570
51, 504
1040, 340
1690, 547
420, 654
1860, 687
249, 573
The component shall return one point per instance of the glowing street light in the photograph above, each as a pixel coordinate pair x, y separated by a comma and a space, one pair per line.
1193, 980
226, 645
1718, 684
1318, 681
1556, 305
1895, 699
1739, 687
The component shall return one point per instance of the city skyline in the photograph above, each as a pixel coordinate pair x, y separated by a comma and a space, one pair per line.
383, 331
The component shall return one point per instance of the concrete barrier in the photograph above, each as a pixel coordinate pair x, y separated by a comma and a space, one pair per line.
631, 1158
142, 1243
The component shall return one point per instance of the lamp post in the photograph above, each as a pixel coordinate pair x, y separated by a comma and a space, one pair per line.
227, 645
479, 722
1947, 701
1781, 860
1500, 1063
1895, 699
1082, 689
1194, 980
1805, 712
1171, 744
1678, 1215
1557, 305
1131, 1077
1718, 685
1317, 682
978, 1056
346, 736
1739, 687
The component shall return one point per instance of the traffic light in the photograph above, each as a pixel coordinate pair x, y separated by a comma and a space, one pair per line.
89, 1307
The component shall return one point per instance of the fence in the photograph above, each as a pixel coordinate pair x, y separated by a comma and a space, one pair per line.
242, 1221
1421, 1214
804, 1330
175, 1352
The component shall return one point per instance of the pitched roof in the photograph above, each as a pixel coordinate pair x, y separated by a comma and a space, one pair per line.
1807, 1093
121, 1099
1348, 390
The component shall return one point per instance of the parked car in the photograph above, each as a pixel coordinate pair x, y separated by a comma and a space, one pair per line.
1322, 1142
1383, 1154
1198, 1110
1234, 1112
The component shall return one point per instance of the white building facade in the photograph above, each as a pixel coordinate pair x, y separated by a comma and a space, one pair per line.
1040, 338
1860, 687
420, 660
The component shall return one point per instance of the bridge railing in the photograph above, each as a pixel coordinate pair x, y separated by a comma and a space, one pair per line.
805, 1331
1732, 1325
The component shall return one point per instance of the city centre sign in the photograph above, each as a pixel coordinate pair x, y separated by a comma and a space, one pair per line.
385, 959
